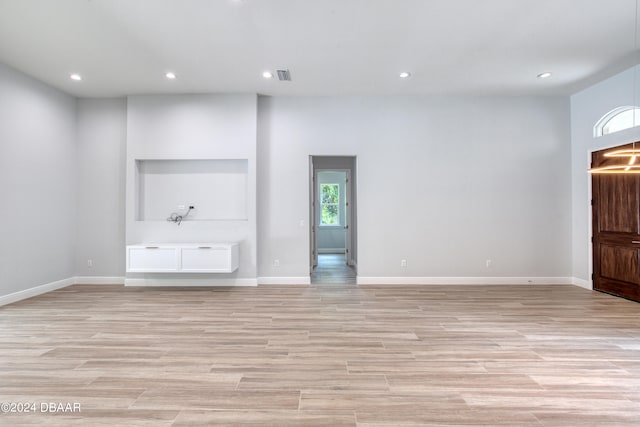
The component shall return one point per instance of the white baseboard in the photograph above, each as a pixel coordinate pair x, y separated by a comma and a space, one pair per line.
99, 280
189, 282
465, 280
582, 283
35, 291
303, 280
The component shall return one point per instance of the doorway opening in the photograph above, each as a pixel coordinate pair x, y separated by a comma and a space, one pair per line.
333, 219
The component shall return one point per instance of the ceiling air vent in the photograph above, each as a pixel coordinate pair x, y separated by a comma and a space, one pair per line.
284, 75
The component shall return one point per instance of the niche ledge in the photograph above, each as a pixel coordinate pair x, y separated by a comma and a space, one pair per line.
216, 188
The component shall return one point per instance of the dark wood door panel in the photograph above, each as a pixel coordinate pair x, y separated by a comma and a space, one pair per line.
619, 263
617, 239
618, 204
619, 289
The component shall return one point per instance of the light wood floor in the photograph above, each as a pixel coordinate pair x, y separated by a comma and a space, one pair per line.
332, 268
329, 355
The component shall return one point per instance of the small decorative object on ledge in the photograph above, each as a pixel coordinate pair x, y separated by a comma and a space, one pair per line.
177, 218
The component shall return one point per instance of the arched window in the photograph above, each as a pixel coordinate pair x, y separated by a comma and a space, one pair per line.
616, 120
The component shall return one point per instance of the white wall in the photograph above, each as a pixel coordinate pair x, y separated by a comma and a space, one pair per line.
442, 195
101, 136
445, 183
193, 127
39, 186
587, 107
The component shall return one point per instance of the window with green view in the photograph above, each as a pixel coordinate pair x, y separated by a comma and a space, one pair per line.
329, 204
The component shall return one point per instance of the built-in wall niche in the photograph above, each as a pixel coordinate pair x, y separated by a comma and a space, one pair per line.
217, 188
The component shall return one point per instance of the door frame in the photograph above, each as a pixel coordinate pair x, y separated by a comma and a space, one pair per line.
615, 142
313, 239
348, 216
352, 191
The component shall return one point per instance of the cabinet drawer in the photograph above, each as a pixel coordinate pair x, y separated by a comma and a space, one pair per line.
207, 259
148, 259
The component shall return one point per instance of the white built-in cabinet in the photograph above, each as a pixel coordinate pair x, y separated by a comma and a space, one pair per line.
183, 258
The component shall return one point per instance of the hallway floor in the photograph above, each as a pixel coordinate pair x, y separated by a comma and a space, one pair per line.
332, 268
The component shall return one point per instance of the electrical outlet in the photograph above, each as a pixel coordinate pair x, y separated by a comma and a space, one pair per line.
89, 263
276, 263
403, 263
488, 263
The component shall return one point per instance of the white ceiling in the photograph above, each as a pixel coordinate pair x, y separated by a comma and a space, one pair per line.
331, 47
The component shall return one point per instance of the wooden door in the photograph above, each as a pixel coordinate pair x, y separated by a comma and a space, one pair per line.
616, 231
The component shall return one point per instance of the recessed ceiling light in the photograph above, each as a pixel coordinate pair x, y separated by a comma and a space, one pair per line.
267, 75
76, 77
544, 75
405, 75
170, 75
